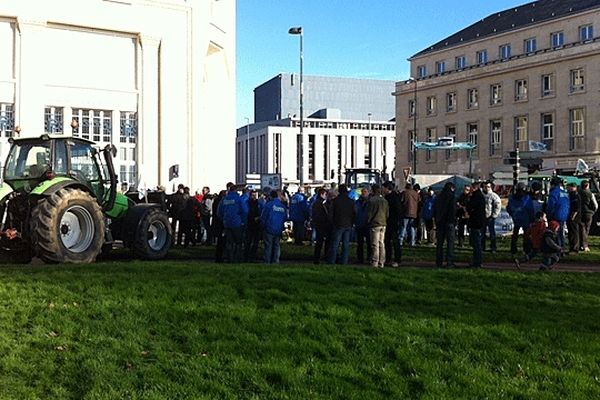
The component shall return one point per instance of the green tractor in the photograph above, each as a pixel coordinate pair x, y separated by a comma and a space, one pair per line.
59, 202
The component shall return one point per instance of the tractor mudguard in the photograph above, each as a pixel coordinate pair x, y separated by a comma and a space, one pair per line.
5, 190
130, 222
52, 186
120, 206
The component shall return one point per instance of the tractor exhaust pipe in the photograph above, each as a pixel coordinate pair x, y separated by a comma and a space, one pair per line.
109, 152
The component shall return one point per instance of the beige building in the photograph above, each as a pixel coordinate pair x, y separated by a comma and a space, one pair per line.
517, 78
156, 78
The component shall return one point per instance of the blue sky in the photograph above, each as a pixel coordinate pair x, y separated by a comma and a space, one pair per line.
347, 38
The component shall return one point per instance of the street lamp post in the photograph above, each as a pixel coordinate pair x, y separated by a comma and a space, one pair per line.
298, 31
414, 139
247, 145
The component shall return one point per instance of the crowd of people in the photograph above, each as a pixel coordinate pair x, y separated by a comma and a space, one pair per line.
383, 221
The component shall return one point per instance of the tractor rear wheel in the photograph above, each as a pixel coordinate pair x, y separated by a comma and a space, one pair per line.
67, 226
153, 237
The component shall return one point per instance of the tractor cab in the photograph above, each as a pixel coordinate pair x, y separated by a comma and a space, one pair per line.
358, 178
33, 161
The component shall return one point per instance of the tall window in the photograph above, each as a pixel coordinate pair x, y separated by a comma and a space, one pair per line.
412, 137
529, 46
422, 71
326, 172
577, 80
277, 153
93, 125
7, 119
431, 105
586, 33
521, 90
482, 57
451, 102
440, 67
412, 111
548, 85
460, 62
577, 129
495, 137
340, 158
548, 130
505, 51
53, 120
451, 132
473, 98
431, 138
496, 94
368, 155
311, 157
557, 39
472, 135
521, 134
128, 127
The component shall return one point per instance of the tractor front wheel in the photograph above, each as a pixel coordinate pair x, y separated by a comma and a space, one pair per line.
67, 226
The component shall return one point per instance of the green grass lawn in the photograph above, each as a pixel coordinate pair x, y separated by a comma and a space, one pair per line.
192, 330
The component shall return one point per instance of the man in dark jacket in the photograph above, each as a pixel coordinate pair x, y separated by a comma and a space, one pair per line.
574, 217
217, 228
393, 251
444, 210
477, 222
321, 223
589, 205
362, 229
253, 228
461, 214
343, 215
176, 204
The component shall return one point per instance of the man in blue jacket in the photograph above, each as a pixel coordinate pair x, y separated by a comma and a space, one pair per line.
558, 207
273, 217
298, 215
520, 208
232, 210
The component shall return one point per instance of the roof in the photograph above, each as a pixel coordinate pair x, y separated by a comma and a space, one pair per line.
514, 18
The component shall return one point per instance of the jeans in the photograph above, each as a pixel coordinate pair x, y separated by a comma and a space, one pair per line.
550, 259
298, 229
574, 239
445, 233
475, 238
377, 236
208, 229
392, 245
407, 224
233, 244
272, 248
561, 234
362, 240
515, 238
343, 235
491, 228
251, 244
323, 236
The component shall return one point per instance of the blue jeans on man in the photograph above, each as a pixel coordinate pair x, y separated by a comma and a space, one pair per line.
233, 244
408, 227
475, 238
491, 228
272, 248
340, 235
445, 233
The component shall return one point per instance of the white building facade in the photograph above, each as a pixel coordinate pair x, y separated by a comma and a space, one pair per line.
330, 146
156, 78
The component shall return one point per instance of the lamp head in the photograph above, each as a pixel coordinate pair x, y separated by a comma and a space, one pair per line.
296, 30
